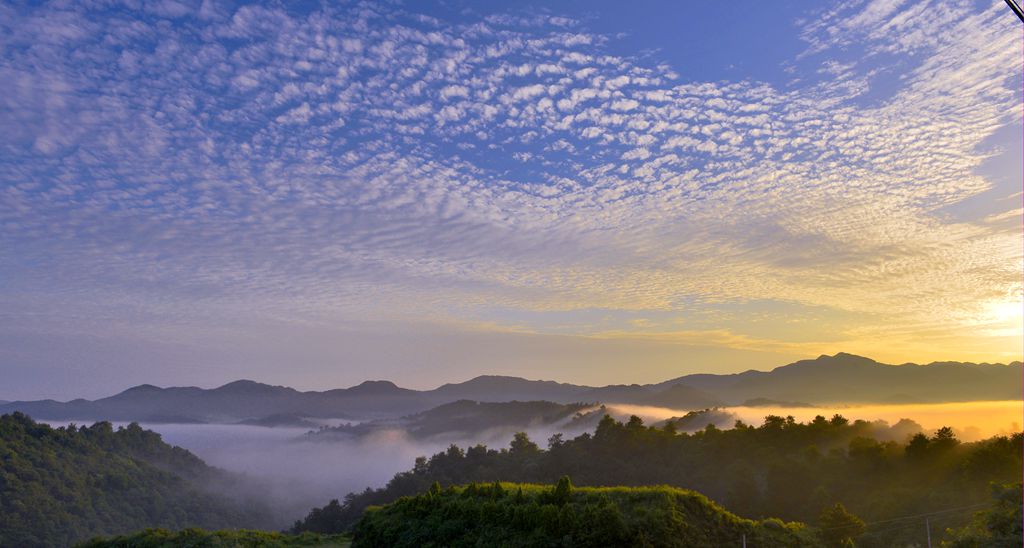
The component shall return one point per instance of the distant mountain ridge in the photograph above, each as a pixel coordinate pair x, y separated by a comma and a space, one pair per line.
464, 419
849, 378
844, 378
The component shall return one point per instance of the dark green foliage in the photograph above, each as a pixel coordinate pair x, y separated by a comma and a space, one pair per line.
198, 538
782, 469
539, 515
837, 527
61, 485
331, 519
998, 527
563, 491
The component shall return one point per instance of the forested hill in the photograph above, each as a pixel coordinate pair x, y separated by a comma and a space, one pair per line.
782, 468
463, 418
63, 485
504, 514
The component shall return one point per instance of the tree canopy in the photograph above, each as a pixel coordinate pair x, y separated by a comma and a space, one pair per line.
507, 514
62, 485
783, 468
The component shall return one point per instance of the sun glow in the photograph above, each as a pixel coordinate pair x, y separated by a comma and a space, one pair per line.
1005, 317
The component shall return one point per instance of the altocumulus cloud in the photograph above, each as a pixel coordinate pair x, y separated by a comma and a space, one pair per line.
199, 162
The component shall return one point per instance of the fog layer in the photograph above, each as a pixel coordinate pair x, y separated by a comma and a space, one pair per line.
293, 472
971, 420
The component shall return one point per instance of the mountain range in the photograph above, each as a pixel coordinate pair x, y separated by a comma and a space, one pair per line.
467, 419
842, 378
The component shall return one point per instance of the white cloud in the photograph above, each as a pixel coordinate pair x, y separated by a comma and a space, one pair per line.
344, 163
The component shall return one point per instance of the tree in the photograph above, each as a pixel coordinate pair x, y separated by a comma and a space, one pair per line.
838, 420
521, 445
944, 439
606, 427
744, 494
555, 441
917, 448
563, 490
998, 527
59, 486
785, 476
838, 527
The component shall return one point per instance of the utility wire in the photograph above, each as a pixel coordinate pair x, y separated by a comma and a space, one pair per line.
894, 526
911, 525
1016, 9
916, 516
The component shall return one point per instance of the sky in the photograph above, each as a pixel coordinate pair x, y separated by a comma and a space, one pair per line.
313, 195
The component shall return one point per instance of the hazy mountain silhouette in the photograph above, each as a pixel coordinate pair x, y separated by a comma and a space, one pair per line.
293, 420
843, 378
464, 418
676, 395
855, 379
503, 388
768, 402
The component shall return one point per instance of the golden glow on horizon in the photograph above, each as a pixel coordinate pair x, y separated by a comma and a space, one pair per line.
971, 420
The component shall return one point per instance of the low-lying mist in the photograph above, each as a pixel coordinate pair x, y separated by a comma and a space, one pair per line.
293, 472
971, 421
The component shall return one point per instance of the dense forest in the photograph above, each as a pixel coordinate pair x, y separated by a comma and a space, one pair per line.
505, 514
1001, 526
62, 485
862, 480
198, 538
783, 468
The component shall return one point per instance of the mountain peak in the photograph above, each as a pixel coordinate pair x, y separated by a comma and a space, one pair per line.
375, 387
503, 381
824, 361
240, 382
844, 358
142, 388
248, 386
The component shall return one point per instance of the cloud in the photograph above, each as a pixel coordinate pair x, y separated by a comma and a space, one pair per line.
372, 163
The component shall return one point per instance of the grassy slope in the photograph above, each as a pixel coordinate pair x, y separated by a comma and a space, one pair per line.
507, 514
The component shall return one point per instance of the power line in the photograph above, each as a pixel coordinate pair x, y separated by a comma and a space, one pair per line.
1016, 9
927, 514
896, 527
916, 516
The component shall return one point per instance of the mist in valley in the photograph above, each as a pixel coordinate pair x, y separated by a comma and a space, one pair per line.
293, 471
972, 421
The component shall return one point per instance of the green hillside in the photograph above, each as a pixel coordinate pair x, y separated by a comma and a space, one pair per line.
197, 538
63, 485
508, 514
783, 469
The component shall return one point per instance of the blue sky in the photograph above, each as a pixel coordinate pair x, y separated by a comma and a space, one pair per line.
313, 195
